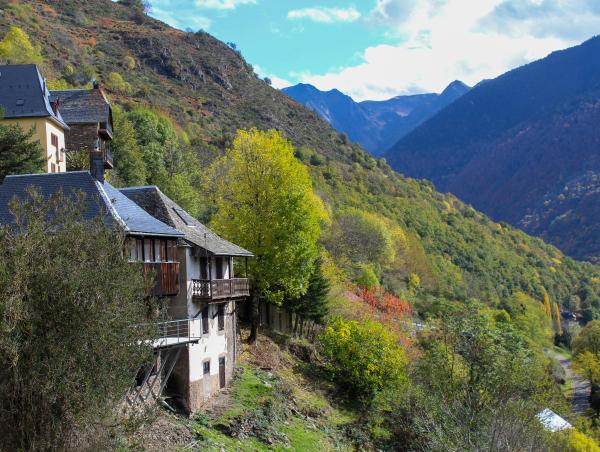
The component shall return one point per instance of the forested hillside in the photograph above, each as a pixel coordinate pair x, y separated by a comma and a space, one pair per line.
184, 95
523, 148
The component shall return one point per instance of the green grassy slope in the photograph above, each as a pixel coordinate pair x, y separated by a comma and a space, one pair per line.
202, 84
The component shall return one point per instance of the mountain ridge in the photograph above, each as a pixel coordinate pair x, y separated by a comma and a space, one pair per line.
511, 144
375, 125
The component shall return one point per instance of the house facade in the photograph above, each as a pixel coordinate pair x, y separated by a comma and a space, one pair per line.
26, 101
210, 294
89, 117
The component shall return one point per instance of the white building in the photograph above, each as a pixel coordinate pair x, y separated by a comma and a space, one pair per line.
209, 293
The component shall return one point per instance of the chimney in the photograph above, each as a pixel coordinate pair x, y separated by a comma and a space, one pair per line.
97, 162
96, 84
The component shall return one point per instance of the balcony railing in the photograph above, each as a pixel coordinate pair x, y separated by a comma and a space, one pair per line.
166, 277
217, 289
178, 332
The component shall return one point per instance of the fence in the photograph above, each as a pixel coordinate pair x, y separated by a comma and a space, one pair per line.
283, 321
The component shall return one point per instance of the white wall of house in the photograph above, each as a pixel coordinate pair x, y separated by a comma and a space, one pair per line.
56, 156
211, 346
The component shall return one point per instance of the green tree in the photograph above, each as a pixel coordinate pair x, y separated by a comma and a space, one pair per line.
363, 358
265, 203
363, 237
16, 48
130, 166
68, 300
588, 339
19, 152
529, 316
116, 83
479, 385
314, 304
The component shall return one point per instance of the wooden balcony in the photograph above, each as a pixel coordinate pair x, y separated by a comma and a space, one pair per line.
166, 277
218, 289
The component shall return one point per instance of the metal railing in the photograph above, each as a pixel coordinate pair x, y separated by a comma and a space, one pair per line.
177, 332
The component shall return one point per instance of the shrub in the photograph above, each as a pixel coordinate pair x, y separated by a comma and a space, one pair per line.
68, 300
363, 357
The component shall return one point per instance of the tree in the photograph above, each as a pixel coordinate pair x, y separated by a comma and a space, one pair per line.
265, 203
529, 316
588, 339
313, 305
547, 307
130, 166
16, 48
116, 83
68, 301
587, 364
19, 151
480, 384
556, 319
363, 358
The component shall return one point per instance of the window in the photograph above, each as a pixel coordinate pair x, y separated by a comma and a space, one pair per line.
148, 251
54, 141
205, 320
203, 262
219, 264
171, 250
206, 367
221, 316
187, 219
160, 250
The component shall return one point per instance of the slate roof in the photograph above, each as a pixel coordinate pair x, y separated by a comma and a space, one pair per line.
160, 206
23, 93
102, 200
82, 106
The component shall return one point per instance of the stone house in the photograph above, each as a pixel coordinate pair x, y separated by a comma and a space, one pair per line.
210, 294
26, 101
89, 117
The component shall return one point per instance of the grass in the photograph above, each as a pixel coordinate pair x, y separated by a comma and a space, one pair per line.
275, 411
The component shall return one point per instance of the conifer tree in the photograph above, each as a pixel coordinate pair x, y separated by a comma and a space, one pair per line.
547, 305
556, 319
313, 305
19, 152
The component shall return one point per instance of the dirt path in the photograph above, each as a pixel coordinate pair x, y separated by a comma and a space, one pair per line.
581, 387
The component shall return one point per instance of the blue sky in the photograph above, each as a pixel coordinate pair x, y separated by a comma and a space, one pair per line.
376, 49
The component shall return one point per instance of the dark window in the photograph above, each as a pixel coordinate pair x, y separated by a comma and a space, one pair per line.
54, 140
203, 262
219, 264
206, 368
221, 317
205, 320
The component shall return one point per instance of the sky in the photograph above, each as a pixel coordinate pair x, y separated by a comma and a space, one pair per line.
378, 49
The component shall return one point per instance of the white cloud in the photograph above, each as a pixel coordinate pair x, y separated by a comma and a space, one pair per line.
444, 40
325, 15
276, 82
223, 4
168, 12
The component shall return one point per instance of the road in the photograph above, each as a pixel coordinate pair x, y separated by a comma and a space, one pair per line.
581, 387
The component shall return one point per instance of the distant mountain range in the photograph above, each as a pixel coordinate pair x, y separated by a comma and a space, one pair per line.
375, 125
523, 148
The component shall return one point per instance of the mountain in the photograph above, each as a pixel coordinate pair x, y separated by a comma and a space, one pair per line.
375, 125
524, 148
209, 91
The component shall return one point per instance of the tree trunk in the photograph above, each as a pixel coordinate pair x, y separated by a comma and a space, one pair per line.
254, 319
